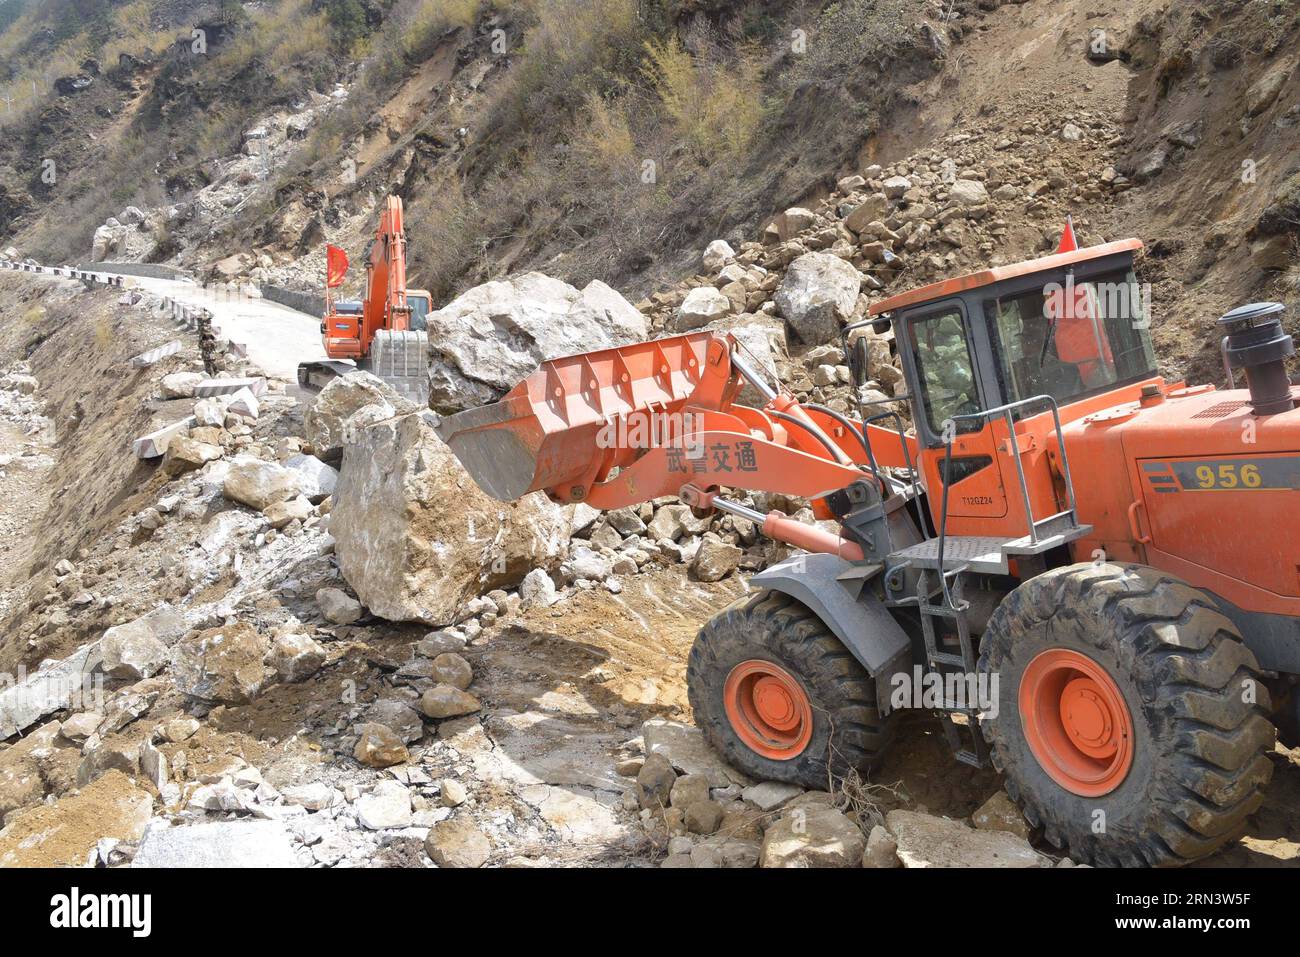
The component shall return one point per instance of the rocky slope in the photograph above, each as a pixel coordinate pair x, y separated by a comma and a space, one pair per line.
280, 672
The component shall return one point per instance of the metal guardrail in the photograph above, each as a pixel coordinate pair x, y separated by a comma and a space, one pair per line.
192, 317
67, 272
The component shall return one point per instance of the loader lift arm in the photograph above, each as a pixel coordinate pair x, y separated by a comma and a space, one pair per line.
627, 425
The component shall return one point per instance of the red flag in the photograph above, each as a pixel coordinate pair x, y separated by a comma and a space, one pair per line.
336, 266
1068, 242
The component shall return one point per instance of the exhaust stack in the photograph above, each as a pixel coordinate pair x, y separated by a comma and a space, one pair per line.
1254, 341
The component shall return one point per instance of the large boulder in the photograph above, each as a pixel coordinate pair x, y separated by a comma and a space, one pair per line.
762, 343
1265, 90
416, 538
968, 192
818, 292
348, 402
928, 841
185, 454
259, 484
457, 843
221, 664
52, 687
315, 479
217, 844
813, 837
107, 240
138, 649
702, 305
486, 340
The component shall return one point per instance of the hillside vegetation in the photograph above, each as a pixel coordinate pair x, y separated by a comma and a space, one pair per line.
599, 136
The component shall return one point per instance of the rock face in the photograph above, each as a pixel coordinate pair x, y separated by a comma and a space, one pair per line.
221, 664
928, 841
818, 292
346, 403
416, 538
813, 837
483, 342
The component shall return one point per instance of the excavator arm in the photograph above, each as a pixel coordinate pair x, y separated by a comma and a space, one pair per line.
626, 425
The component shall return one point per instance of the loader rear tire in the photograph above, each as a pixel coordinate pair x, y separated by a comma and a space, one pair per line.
780, 697
1157, 695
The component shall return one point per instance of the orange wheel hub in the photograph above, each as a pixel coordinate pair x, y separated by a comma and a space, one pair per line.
1076, 722
768, 709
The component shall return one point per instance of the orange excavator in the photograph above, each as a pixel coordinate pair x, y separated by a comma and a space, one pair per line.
1121, 649
384, 332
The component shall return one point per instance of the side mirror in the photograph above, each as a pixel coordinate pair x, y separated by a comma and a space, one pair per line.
859, 359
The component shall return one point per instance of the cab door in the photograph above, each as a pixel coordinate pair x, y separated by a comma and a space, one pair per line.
940, 351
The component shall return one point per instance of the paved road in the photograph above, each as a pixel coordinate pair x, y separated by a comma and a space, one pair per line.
277, 338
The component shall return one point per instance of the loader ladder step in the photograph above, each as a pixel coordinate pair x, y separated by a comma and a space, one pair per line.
969, 748
987, 554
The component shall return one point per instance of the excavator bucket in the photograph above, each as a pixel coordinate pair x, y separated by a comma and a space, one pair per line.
559, 428
400, 358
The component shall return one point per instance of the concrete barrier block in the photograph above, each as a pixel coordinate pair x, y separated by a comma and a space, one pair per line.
155, 443
146, 359
254, 384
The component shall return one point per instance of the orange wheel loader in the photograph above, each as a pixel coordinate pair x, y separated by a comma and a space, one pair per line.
1085, 570
385, 331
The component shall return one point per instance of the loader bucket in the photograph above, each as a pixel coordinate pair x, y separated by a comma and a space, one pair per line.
552, 431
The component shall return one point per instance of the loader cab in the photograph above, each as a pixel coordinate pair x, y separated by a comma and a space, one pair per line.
1072, 327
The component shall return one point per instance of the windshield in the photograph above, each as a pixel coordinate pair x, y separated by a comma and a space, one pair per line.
1068, 339
419, 311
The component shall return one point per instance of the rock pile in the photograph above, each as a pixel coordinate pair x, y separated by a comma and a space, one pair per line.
698, 812
953, 208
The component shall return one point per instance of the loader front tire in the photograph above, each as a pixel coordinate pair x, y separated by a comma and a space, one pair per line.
780, 697
1132, 725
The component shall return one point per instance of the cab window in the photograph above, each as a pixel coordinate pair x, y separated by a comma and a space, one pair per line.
1070, 338
419, 312
947, 372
